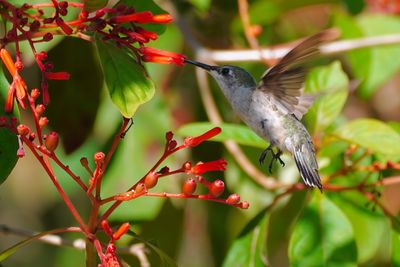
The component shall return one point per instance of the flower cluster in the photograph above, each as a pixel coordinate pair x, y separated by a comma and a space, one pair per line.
109, 257
214, 189
38, 23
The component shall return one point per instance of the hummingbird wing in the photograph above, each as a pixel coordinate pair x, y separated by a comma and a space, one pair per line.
284, 81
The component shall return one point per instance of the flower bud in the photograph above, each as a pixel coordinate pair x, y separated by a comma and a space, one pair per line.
43, 121
40, 109
3, 120
99, 157
23, 129
233, 199
51, 141
189, 186
106, 227
32, 136
151, 180
217, 188
121, 231
245, 205
35, 93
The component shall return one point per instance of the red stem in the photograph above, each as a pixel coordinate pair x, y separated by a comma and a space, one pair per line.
63, 195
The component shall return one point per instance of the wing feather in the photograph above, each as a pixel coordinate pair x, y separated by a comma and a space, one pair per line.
284, 81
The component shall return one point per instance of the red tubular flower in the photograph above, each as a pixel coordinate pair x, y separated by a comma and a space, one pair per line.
139, 17
202, 167
148, 34
62, 75
195, 141
9, 104
64, 27
123, 229
8, 61
150, 54
162, 18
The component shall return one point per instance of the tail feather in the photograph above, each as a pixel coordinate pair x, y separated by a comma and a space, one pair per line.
304, 157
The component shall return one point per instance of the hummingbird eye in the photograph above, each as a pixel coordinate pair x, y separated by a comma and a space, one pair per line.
225, 71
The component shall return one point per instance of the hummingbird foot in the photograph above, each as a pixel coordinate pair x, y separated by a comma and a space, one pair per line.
275, 157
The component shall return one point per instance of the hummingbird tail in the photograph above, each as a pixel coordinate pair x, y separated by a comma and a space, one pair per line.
304, 156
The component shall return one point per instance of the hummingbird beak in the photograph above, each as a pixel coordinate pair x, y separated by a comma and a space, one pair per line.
199, 64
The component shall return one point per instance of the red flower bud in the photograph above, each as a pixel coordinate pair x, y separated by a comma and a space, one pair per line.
169, 136
245, 205
42, 55
217, 188
164, 170
150, 54
139, 17
43, 121
99, 157
233, 199
148, 34
40, 109
151, 180
35, 93
106, 227
20, 152
32, 136
23, 129
121, 231
172, 144
189, 186
51, 141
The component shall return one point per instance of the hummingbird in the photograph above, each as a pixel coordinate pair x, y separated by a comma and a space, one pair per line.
274, 107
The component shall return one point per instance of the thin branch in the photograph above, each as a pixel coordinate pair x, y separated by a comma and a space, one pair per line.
275, 53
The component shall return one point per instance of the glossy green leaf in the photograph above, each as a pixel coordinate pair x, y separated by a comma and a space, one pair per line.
371, 228
282, 221
80, 95
127, 81
372, 134
8, 139
249, 248
331, 83
93, 5
238, 133
372, 66
395, 249
323, 236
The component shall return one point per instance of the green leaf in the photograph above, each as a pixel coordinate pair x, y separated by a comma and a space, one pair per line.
80, 95
372, 134
238, 133
323, 236
126, 80
93, 5
372, 66
332, 83
8, 139
282, 221
395, 249
371, 229
249, 248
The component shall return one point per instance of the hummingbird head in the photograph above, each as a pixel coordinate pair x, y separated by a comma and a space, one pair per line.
229, 78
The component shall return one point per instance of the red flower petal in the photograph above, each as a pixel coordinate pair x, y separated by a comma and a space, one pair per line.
195, 141
139, 17
202, 167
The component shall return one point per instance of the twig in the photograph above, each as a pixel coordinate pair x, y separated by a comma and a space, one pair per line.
275, 53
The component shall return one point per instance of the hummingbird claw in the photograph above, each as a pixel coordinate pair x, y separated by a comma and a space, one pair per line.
275, 157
